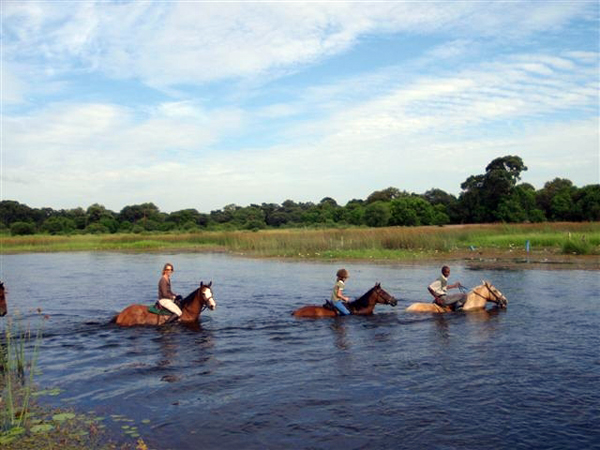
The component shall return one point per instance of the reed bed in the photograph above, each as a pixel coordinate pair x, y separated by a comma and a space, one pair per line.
385, 243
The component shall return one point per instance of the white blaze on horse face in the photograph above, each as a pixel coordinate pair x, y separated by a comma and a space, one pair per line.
209, 298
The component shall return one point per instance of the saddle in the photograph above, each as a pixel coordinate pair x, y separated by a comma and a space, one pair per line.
157, 309
330, 307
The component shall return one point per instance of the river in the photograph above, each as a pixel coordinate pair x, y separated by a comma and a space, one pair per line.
254, 377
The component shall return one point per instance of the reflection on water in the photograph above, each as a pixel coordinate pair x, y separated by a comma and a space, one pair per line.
339, 333
251, 376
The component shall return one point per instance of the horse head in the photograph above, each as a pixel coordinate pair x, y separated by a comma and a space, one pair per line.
3, 307
495, 295
383, 296
207, 295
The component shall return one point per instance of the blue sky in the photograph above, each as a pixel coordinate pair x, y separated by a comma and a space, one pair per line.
204, 104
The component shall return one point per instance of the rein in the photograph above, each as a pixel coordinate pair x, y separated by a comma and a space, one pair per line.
495, 300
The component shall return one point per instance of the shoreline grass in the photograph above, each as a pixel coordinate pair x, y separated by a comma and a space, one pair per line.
392, 243
25, 424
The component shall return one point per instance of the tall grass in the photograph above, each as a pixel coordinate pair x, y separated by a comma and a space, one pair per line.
392, 242
16, 377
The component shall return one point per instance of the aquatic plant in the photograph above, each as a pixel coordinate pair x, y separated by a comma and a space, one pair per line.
18, 367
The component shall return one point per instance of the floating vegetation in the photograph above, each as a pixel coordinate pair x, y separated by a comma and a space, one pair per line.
26, 425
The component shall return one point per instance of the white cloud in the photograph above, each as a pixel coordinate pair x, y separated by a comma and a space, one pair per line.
425, 119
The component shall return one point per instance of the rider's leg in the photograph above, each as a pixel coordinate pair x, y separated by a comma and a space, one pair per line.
171, 306
341, 307
454, 300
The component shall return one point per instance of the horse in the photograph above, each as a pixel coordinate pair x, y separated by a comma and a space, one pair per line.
362, 306
3, 307
191, 307
477, 298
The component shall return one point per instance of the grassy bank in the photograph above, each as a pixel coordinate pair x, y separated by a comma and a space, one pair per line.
395, 243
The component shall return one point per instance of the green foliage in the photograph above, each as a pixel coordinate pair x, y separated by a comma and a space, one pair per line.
17, 368
377, 214
577, 247
494, 196
22, 228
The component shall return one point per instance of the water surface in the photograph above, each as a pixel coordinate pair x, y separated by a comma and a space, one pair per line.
253, 377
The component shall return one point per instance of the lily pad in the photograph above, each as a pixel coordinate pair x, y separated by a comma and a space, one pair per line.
42, 428
63, 416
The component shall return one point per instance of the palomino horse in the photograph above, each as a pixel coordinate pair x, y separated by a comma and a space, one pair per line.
191, 307
362, 306
477, 298
3, 307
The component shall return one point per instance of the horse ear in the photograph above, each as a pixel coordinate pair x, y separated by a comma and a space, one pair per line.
210, 283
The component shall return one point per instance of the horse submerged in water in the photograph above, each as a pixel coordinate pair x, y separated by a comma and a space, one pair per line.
3, 306
362, 306
477, 299
191, 307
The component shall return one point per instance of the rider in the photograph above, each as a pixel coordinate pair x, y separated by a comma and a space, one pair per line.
439, 290
338, 300
166, 297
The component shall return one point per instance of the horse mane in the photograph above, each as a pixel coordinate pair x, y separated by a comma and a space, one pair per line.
189, 298
363, 301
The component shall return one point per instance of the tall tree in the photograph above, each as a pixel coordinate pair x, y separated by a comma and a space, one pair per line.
483, 194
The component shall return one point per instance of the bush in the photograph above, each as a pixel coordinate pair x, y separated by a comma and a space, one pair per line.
22, 228
577, 247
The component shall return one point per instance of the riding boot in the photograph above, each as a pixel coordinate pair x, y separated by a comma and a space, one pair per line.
173, 318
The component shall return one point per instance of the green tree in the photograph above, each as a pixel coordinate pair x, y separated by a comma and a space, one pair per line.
354, 212
377, 214
556, 199
12, 211
482, 194
411, 211
587, 203
58, 225
22, 228
385, 195
141, 213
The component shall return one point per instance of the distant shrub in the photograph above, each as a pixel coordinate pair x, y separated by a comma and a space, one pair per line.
96, 228
22, 228
577, 246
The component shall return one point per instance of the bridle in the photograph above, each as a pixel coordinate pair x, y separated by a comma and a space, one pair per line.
383, 295
205, 299
496, 299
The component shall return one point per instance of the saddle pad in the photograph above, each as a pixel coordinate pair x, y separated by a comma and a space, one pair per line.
154, 310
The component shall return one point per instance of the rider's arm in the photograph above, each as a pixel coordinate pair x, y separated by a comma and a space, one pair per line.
339, 295
455, 285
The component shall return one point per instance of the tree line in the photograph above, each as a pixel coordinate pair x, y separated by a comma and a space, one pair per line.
494, 196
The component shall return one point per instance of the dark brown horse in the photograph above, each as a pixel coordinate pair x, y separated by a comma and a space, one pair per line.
191, 307
3, 307
362, 306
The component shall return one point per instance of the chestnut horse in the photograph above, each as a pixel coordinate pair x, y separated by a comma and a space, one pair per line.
477, 298
191, 307
362, 306
3, 307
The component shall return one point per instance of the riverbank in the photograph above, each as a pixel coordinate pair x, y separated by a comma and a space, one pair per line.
552, 245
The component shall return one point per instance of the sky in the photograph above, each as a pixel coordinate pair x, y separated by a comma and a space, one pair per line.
206, 104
